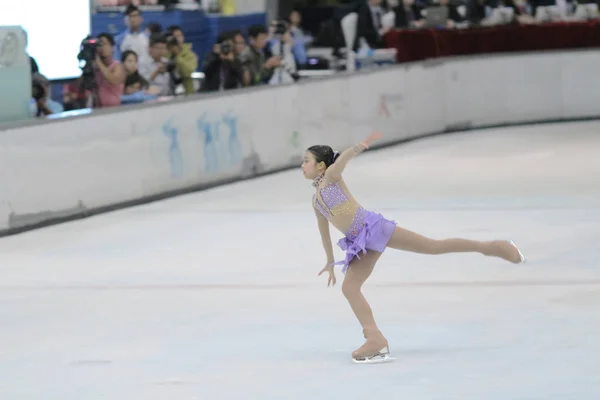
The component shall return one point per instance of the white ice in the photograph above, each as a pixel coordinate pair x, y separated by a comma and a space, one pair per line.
215, 295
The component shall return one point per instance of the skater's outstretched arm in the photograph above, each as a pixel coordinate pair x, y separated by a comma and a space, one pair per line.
325, 236
334, 172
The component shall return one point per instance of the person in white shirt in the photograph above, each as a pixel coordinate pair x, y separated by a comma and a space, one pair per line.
135, 38
155, 69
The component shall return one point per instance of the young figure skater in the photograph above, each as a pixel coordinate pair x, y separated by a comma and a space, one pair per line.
367, 234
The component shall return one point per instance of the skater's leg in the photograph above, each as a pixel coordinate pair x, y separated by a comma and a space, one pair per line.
403, 239
356, 275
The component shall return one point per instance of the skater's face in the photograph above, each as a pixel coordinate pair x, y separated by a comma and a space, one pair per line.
310, 168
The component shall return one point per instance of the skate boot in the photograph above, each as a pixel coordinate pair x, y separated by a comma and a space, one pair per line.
375, 349
508, 251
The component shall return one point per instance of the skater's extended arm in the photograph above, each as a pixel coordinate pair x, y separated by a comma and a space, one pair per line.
334, 172
325, 236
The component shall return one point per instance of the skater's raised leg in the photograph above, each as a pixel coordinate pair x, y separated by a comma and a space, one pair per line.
403, 239
358, 272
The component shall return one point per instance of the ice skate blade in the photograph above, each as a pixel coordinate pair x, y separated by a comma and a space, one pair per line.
523, 259
382, 357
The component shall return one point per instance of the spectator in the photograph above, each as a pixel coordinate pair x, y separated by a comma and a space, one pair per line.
282, 45
239, 46
74, 96
454, 16
109, 73
253, 58
369, 25
301, 40
156, 69
480, 11
130, 62
41, 104
239, 42
296, 28
408, 15
222, 70
134, 38
134, 83
134, 91
186, 61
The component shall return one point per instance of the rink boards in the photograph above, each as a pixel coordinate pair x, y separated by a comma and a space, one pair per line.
72, 167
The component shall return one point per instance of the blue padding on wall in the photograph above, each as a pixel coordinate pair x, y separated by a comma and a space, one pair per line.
200, 29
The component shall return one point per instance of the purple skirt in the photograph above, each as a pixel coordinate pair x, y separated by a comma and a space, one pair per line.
369, 231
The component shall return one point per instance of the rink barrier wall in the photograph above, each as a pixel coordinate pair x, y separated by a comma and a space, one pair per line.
63, 169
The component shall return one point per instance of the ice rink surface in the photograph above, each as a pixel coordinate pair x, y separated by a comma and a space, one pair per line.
215, 295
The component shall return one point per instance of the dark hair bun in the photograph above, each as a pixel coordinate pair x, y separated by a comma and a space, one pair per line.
324, 154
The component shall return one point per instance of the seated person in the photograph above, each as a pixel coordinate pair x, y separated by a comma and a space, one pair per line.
183, 57
478, 10
134, 90
454, 17
408, 15
130, 61
157, 70
222, 70
369, 25
281, 44
41, 103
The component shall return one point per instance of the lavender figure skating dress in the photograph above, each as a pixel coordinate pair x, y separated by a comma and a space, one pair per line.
363, 230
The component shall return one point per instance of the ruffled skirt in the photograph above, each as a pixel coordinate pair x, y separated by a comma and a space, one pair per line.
369, 231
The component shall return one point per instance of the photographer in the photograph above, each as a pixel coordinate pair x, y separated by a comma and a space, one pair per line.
109, 74
221, 69
282, 46
41, 104
257, 64
185, 60
157, 70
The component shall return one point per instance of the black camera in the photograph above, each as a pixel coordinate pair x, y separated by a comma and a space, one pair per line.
172, 41
169, 64
280, 27
87, 54
226, 48
88, 49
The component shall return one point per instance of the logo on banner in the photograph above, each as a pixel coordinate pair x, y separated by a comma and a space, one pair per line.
222, 148
295, 139
384, 103
175, 156
9, 49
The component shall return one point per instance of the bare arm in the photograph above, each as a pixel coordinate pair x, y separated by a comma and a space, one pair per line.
325, 236
334, 172
115, 77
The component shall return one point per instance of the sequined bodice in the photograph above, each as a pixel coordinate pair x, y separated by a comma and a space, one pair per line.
336, 204
334, 198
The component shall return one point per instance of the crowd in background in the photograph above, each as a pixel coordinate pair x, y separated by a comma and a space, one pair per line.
147, 63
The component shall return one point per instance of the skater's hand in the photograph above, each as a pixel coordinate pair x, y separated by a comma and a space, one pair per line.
372, 137
329, 268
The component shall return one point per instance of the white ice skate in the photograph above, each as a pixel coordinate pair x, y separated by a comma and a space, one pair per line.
382, 356
523, 259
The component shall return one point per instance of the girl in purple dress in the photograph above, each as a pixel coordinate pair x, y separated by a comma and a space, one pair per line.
367, 234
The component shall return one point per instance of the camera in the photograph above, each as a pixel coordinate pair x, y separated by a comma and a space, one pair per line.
88, 49
169, 64
172, 41
226, 47
87, 54
280, 27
